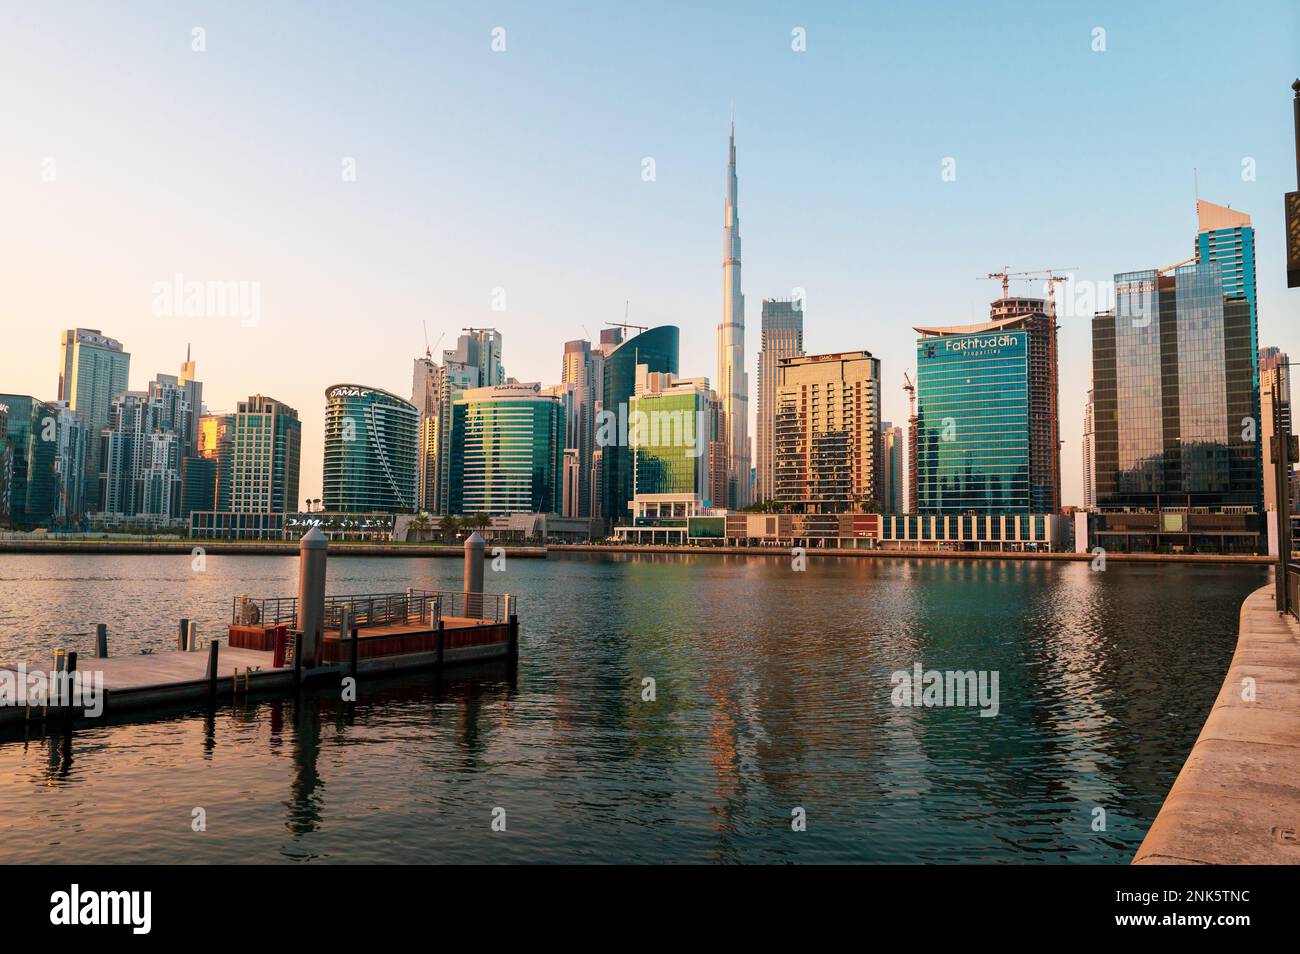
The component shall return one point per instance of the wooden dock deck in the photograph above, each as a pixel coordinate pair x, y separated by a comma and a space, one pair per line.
157, 679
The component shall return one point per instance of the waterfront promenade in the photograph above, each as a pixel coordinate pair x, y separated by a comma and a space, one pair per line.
1237, 798
392, 549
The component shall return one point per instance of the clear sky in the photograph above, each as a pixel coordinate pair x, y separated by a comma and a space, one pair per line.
130, 157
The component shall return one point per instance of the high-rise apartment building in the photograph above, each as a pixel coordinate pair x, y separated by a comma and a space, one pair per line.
584, 369
371, 451
214, 447
507, 451
141, 453
1274, 408
264, 441
94, 371
426, 389
985, 408
782, 337
1089, 455
893, 469
827, 432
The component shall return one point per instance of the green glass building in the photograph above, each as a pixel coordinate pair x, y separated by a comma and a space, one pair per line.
671, 425
507, 451
657, 350
973, 420
371, 451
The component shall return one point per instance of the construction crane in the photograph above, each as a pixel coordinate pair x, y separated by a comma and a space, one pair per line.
1006, 280
428, 352
1050, 275
624, 323
910, 388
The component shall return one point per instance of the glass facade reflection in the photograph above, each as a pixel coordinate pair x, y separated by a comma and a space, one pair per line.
507, 451
656, 349
371, 444
973, 422
1175, 375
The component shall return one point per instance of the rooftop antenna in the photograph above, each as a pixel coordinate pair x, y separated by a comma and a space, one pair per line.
428, 353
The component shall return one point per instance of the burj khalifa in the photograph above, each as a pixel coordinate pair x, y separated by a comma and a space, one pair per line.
733, 382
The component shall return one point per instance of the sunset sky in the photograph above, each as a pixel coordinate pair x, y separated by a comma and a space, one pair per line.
129, 157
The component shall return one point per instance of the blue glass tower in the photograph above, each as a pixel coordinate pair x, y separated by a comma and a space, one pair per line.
973, 419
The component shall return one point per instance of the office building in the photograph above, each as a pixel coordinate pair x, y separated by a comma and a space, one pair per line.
22, 419
56, 490
986, 407
507, 451
94, 370
371, 451
893, 469
656, 350
1177, 406
827, 432
782, 337
672, 426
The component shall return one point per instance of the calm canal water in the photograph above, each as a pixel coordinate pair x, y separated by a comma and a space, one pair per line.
772, 692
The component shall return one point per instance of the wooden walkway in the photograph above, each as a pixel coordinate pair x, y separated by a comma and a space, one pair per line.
158, 679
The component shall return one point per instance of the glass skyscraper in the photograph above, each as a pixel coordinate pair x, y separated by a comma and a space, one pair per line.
973, 419
371, 451
656, 349
93, 372
507, 451
1175, 392
781, 337
672, 426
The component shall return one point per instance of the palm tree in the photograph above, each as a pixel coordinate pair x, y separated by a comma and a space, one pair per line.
449, 525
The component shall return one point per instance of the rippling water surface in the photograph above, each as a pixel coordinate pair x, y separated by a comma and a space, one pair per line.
772, 693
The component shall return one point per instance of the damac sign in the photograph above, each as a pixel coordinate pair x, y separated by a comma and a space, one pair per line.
982, 344
347, 392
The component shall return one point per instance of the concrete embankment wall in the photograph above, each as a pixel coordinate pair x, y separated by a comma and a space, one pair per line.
1237, 798
883, 554
250, 548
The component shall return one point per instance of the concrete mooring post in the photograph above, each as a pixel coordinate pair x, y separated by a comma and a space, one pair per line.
312, 552
474, 547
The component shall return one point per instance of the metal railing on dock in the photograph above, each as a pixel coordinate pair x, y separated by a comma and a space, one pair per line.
376, 609
496, 607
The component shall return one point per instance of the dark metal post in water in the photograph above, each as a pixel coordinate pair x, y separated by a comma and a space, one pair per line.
69, 673
442, 639
353, 650
474, 546
183, 635
213, 648
297, 659
101, 640
514, 637
312, 552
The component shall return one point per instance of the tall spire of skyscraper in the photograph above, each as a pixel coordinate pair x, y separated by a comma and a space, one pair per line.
733, 382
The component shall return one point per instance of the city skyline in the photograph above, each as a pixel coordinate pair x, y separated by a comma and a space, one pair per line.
861, 222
